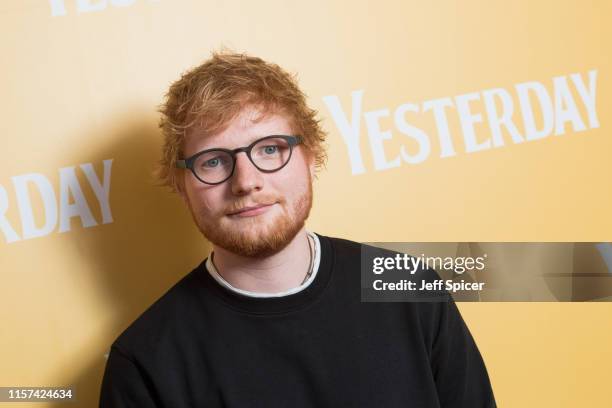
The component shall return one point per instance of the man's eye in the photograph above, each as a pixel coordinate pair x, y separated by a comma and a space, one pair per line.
212, 163
270, 149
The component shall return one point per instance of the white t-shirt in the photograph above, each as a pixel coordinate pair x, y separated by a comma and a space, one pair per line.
315, 266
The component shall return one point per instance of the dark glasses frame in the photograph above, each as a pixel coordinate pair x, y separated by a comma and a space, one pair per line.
292, 140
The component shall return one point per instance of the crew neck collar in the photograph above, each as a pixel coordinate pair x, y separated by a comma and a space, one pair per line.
210, 267
307, 293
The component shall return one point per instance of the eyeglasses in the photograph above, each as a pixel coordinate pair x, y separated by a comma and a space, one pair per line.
268, 154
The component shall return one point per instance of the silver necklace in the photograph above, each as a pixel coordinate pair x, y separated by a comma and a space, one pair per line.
310, 266
310, 269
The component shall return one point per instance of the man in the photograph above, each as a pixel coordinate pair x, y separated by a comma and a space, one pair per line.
273, 317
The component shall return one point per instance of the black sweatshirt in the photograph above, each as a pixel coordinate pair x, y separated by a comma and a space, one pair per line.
204, 345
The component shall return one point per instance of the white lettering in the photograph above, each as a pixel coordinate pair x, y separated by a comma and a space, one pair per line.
53, 210
377, 136
588, 96
553, 109
44, 187
5, 226
349, 132
412, 131
565, 107
446, 143
468, 120
58, 8
531, 131
496, 121
69, 185
101, 191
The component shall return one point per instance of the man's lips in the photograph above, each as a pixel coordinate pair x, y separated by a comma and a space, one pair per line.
249, 209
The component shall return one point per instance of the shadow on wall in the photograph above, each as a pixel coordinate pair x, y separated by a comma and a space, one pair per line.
150, 245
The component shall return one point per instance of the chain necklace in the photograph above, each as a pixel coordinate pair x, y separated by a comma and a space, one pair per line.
310, 250
310, 268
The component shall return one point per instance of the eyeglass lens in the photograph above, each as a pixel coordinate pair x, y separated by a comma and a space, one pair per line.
267, 155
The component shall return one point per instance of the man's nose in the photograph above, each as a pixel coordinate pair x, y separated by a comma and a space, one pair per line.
246, 176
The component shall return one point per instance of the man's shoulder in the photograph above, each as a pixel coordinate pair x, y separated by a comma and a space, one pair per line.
347, 246
161, 318
353, 257
343, 243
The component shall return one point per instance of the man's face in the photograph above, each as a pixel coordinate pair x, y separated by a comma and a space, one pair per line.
288, 191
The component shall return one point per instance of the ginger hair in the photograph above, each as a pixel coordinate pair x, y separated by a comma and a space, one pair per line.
213, 93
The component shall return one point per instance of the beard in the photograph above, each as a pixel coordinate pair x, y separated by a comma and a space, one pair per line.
262, 235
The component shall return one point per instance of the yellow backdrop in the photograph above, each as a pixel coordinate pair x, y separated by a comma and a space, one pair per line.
466, 120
